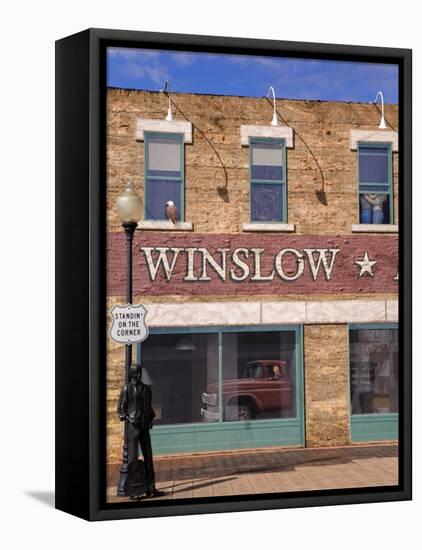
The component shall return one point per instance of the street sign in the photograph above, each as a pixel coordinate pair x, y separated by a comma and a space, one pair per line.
128, 323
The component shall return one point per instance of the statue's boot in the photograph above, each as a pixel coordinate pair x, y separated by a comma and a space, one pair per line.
154, 492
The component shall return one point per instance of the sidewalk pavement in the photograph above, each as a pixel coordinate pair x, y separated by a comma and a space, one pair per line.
271, 470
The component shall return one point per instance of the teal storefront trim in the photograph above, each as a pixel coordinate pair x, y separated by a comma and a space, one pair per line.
220, 435
376, 426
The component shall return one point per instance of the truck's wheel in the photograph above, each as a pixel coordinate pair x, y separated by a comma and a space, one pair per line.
244, 412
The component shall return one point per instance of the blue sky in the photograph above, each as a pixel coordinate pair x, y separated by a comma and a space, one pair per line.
251, 76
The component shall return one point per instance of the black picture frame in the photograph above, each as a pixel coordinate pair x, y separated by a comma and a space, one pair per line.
80, 272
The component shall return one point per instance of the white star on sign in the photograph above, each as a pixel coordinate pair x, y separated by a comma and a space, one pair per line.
366, 265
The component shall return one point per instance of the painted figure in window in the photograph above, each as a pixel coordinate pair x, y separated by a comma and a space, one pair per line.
276, 374
135, 408
371, 208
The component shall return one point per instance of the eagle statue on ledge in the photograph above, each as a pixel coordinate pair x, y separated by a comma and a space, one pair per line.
171, 212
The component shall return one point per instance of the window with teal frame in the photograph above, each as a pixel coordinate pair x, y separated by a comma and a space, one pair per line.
374, 381
164, 174
267, 174
222, 387
375, 183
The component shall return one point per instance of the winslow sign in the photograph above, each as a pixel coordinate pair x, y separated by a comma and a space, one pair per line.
213, 264
288, 263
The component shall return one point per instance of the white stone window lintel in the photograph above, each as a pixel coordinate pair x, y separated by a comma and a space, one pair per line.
374, 136
272, 132
165, 127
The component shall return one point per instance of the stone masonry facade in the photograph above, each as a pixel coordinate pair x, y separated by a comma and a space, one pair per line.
321, 157
326, 385
217, 203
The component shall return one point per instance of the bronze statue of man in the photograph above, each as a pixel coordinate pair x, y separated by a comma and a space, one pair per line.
135, 407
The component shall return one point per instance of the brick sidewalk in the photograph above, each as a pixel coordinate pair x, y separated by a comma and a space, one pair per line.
270, 471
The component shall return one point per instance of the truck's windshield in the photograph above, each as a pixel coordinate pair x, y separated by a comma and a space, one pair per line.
259, 370
254, 371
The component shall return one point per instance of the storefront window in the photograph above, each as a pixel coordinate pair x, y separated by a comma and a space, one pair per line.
257, 372
258, 375
374, 371
180, 368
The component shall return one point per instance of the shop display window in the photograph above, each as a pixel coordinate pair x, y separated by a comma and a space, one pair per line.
221, 377
374, 371
259, 379
180, 368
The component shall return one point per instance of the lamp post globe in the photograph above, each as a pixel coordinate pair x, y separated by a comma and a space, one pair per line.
129, 205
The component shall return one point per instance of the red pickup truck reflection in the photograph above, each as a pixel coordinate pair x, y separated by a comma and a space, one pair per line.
263, 386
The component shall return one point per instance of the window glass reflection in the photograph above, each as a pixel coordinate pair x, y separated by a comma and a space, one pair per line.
164, 156
373, 164
159, 192
180, 368
266, 202
374, 371
258, 376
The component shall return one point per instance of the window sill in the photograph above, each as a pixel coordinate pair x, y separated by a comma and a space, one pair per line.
277, 227
164, 225
374, 228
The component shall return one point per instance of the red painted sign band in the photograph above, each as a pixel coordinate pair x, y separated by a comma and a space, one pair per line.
213, 264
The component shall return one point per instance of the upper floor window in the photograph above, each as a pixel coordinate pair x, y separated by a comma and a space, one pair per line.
164, 174
375, 183
267, 169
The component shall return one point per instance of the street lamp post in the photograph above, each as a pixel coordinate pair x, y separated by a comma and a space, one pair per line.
129, 209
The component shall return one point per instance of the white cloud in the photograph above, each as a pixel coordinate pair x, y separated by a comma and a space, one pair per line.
184, 59
140, 63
